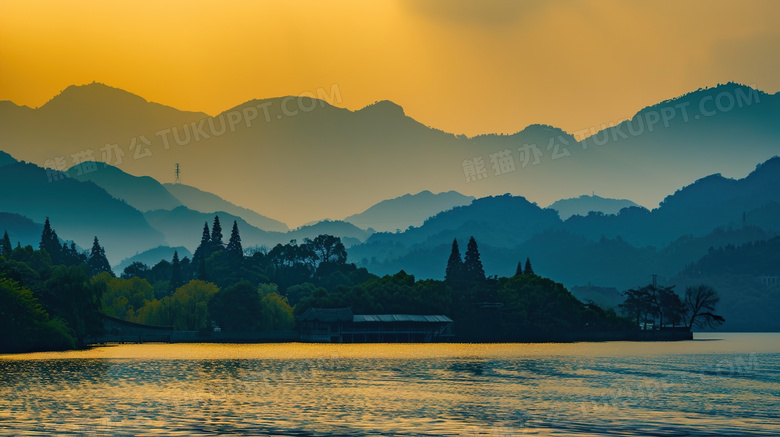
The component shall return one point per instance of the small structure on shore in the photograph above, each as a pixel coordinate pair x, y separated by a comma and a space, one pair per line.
339, 325
121, 331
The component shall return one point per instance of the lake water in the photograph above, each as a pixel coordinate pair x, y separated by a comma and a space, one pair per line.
720, 383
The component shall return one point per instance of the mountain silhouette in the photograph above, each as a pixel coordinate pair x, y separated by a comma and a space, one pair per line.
20, 229
407, 210
500, 221
79, 211
202, 201
153, 256
142, 193
696, 209
81, 117
378, 151
6, 159
606, 250
584, 204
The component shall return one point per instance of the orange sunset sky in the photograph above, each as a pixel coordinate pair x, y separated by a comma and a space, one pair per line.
463, 67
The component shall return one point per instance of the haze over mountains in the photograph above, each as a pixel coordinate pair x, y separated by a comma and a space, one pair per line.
408, 210
299, 159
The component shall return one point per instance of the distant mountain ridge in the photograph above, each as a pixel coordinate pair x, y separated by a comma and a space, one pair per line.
407, 210
79, 211
142, 193
643, 242
584, 204
153, 256
202, 201
388, 152
184, 227
6, 159
147, 194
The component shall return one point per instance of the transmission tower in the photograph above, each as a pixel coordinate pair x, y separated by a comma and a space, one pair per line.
178, 174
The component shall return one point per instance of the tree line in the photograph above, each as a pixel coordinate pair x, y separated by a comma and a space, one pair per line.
656, 307
55, 297
57, 301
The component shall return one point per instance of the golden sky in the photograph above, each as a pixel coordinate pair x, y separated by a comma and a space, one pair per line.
460, 66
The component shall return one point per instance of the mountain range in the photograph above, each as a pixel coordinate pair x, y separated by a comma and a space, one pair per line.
585, 204
408, 210
515, 228
319, 151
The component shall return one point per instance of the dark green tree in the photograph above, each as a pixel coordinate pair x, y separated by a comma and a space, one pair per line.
536, 306
204, 249
25, 325
51, 243
671, 307
637, 304
6, 246
202, 274
454, 272
176, 277
71, 255
329, 249
234, 244
528, 269
329, 254
206, 237
136, 270
236, 308
519, 269
472, 265
216, 235
97, 260
70, 295
700, 302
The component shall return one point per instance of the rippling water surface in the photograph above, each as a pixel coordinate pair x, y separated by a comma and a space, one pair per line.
717, 384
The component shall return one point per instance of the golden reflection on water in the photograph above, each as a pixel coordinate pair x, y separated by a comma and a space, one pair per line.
703, 343
719, 384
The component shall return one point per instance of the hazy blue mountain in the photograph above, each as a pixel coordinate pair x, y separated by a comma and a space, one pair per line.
498, 220
184, 227
350, 234
738, 272
605, 297
20, 229
153, 256
663, 146
568, 258
408, 210
571, 259
501, 222
6, 159
584, 204
79, 211
620, 250
765, 217
142, 193
202, 201
696, 209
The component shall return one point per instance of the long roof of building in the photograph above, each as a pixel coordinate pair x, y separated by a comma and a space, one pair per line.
362, 318
345, 315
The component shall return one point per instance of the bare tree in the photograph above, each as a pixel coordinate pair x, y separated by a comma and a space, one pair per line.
700, 303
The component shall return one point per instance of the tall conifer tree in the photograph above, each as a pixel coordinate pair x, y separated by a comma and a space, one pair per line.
454, 272
472, 265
